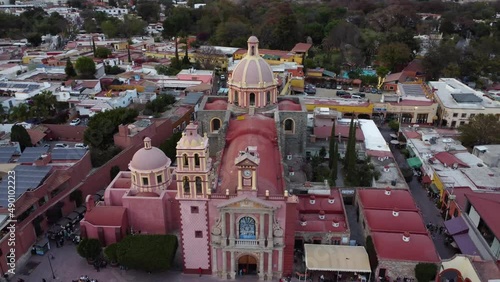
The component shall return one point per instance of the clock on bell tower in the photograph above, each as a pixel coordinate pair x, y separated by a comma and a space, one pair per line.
247, 163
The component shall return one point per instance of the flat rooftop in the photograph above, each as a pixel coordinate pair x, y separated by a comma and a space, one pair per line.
456, 95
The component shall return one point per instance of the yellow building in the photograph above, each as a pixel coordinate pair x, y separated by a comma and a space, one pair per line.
343, 106
436, 181
272, 57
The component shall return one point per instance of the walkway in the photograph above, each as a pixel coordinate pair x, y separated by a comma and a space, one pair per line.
430, 212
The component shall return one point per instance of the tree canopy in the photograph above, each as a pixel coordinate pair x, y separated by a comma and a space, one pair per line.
102, 52
20, 134
102, 126
480, 131
85, 67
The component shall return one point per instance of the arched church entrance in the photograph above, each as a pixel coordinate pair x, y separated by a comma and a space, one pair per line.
247, 264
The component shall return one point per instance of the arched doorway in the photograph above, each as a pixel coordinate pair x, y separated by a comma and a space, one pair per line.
247, 264
252, 99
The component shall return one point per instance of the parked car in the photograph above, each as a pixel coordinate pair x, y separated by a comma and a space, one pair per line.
81, 146
222, 77
355, 96
374, 90
350, 88
341, 93
347, 96
76, 121
61, 145
339, 87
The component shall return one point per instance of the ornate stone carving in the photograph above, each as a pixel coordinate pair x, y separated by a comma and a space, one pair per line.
216, 232
277, 230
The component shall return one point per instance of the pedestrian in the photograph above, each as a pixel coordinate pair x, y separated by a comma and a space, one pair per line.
241, 272
43, 280
200, 271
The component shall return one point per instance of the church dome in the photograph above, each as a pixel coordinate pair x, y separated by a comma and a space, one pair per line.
149, 158
252, 70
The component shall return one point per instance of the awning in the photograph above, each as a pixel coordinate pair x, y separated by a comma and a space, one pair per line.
427, 180
337, 258
465, 244
434, 188
456, 226
414, 162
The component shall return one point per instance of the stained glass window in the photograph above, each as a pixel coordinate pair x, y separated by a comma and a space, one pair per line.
247, 228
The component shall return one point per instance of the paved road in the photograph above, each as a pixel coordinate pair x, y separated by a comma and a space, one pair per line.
430, 212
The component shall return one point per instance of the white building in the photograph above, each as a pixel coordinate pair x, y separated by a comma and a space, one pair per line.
458, 102
114, 12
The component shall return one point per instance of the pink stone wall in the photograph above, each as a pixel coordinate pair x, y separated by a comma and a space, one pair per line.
146, 214
196, 250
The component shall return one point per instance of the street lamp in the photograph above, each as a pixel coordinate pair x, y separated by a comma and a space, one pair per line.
51, 269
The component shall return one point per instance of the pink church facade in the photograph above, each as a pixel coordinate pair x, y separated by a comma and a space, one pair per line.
227, 196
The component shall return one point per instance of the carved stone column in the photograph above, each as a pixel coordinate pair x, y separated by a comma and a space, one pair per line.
232, 274
214, 261
224, 264
270, 266
231, 229
262, 220
261, 266
270, 241
224, 229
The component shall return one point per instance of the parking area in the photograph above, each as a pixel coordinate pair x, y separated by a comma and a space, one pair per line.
78, 121
52, 144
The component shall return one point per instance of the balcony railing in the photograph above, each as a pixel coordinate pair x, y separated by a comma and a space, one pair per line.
246, 242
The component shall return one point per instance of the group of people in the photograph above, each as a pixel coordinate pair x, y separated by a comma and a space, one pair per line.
435, 229
85, 278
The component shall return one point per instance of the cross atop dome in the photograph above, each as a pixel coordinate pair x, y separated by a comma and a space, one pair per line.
253, 46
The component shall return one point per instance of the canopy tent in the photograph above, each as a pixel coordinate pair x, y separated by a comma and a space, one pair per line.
414, 162
337, 258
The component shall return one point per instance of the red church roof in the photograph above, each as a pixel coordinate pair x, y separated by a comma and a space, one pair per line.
287, 105
321, 203
106, 215
391, 246
259, 131
377, 199
216, 105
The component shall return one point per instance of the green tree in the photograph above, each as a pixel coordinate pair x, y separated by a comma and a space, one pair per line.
20, 113
178, 22
89, 249
111, 27
111, 253
44, 105
102, 52
34, 38
394, 55
102, 127
169, 147
69, 69
322, 153
19, 134
85, 67
394, 125
480, 131
335, 161
148, 11
147, 252
425, 272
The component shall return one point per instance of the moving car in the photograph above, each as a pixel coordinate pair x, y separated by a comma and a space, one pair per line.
76, 121
61, 145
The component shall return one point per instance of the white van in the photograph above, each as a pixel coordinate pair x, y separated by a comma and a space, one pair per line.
355, 97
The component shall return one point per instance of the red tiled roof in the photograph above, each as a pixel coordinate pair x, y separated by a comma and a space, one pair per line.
399, 76
36, 135
487, 205
412, 135
449, 159
385, 221
343, 131
90, 83
260, 131
287, 105
219, 104
106, 215
377, 199
321, 203
415, 66
314, 224
391, 246
301, 47
460, 193
381, 154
